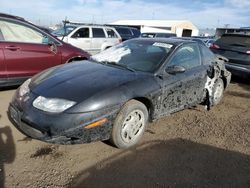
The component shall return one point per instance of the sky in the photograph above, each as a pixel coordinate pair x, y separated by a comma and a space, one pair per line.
203, 13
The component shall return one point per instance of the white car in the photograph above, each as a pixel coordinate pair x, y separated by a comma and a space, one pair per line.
91, 38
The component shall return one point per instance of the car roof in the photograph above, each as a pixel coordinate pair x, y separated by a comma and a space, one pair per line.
125, 27
11, 16
87, 25
175, 41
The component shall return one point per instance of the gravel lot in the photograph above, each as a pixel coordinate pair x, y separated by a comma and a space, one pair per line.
192, 148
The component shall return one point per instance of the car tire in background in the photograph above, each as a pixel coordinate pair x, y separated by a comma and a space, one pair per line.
217, 92
129, 124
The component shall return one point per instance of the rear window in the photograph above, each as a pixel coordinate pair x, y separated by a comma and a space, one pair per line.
243, 41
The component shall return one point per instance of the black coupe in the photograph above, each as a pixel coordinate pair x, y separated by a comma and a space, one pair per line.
114, 94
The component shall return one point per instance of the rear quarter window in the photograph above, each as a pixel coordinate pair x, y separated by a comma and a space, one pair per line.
111, 33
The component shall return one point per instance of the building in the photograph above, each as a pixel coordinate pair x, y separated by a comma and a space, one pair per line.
182, 28
221, 31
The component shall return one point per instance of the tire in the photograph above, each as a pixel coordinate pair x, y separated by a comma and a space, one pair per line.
129, 124
217, 91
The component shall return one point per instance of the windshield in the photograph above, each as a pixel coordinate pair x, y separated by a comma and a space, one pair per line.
139, 55
63, 31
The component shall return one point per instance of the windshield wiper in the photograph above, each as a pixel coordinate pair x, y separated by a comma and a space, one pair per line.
118, 65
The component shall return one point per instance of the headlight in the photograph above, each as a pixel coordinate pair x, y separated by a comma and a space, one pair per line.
24, 88
52, 104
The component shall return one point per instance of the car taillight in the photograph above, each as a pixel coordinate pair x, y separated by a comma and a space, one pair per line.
214, 46
248, 52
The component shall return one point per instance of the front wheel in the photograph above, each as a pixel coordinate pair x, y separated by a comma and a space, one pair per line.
129, 124
217, 92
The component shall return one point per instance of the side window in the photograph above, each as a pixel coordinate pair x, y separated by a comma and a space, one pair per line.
207, 54
136, 32
98, 33
15, 32
81, 33
187, 56
111, 33
124, 31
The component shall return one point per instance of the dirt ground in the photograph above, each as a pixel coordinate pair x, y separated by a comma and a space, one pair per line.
192, 148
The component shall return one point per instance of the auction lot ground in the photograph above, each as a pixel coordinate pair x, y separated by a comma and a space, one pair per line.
192, 148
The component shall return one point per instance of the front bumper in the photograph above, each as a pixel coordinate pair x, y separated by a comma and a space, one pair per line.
62, 128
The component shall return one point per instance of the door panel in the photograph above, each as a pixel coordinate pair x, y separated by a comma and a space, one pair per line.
181, 90
24, 59
26, 49
3, 73
81, 39
98, 39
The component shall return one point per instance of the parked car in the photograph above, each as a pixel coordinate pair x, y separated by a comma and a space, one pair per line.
114, 94
236, 48
64, 31
88, 37
127, 32
209, 42
26, 50
157, 35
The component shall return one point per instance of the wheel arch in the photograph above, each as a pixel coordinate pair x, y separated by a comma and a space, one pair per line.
149, 105
76, 58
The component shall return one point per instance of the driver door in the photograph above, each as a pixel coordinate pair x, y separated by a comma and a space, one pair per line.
183, 89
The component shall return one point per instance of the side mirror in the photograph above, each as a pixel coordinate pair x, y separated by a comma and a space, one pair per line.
175, 69
52, 47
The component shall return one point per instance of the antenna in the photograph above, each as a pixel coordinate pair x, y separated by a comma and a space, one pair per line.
64, 26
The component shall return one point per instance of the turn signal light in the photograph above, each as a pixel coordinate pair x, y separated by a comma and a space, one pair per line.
97, 123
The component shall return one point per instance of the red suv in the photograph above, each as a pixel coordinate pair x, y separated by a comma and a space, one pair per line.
25, 50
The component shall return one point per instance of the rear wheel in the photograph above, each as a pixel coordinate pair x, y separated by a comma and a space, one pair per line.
129, 124
217, 92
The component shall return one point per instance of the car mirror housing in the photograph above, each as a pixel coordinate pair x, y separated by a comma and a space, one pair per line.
175, 69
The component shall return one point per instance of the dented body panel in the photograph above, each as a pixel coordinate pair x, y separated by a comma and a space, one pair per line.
100, 91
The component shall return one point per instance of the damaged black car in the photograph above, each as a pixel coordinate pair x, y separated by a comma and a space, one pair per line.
116, 93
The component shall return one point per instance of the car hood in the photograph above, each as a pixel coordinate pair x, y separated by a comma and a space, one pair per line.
79, 81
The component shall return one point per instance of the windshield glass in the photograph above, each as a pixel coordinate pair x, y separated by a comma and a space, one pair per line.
64, 31
138, 55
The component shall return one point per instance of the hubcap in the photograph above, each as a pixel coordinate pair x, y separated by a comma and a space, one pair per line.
132, 126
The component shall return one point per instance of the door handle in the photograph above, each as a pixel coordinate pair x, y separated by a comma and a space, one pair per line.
12, 48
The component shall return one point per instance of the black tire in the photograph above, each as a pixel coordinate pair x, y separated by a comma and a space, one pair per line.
129, 124
217, 91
